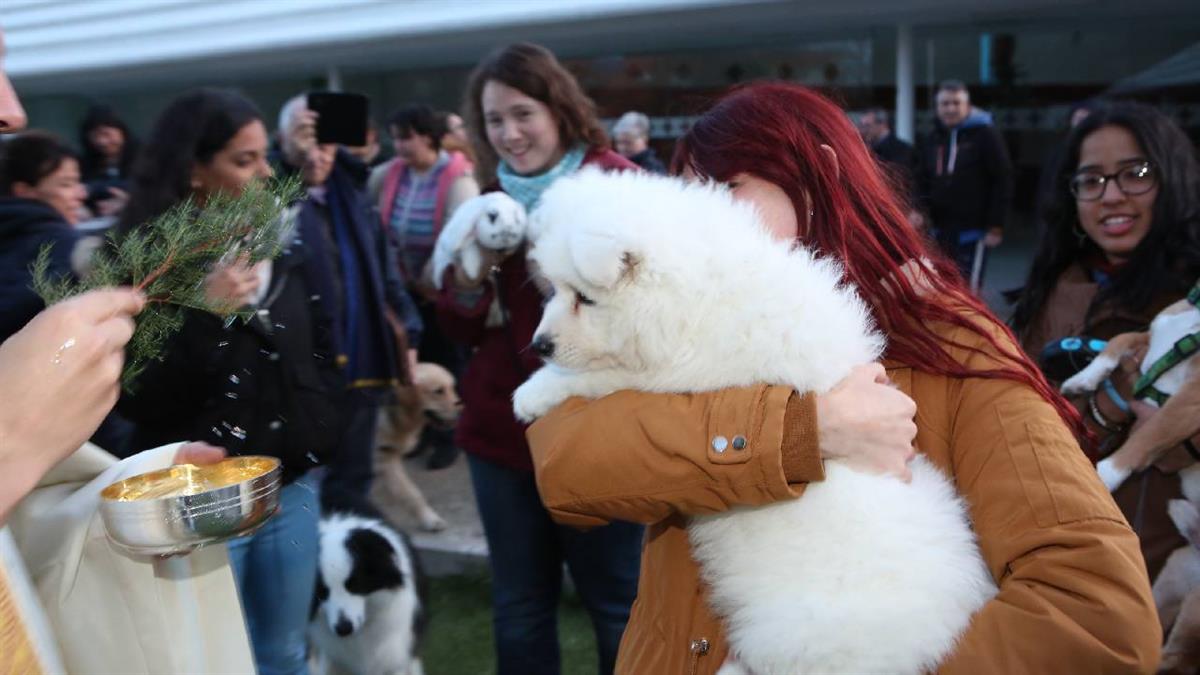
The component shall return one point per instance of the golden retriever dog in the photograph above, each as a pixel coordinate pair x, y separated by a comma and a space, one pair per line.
431, 400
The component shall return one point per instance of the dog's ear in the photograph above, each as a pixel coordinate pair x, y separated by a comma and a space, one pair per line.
374, 563
601, 259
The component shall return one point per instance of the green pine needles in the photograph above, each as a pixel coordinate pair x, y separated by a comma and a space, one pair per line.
169, 258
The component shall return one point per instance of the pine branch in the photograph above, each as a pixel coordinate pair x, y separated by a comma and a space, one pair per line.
169, 258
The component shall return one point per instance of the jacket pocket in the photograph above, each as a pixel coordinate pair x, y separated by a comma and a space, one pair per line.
1059, 482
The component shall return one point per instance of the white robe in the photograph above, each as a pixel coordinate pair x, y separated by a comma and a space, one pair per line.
102, 611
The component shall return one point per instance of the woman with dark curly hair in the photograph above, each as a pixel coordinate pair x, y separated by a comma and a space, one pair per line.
1121, 242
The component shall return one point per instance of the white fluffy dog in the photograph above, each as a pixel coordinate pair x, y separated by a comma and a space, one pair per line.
493, 221
664, 286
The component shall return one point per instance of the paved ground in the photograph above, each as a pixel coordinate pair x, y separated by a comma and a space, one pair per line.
461, 547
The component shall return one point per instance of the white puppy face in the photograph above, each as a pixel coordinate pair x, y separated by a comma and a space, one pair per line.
632, 286
583, 326
500, 223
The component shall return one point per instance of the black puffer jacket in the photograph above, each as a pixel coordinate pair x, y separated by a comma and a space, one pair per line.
964, 176
270, 386
25, 226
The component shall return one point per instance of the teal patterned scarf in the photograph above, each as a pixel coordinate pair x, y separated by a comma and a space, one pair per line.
528, 189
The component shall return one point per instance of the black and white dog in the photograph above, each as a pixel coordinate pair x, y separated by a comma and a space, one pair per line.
369, 607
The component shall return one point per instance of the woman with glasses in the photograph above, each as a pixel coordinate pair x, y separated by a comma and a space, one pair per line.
1121, 242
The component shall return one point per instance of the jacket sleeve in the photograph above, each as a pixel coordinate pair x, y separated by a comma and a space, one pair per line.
1073, 590
1000, 168
661, 460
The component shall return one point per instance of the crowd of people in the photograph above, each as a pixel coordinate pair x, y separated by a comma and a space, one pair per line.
351, 305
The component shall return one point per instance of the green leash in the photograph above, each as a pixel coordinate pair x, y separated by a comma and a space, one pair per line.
1180, 351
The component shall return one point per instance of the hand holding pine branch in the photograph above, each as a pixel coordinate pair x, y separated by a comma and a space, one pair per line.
171, 257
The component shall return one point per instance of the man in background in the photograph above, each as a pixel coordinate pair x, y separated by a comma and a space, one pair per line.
631, 138
964, 181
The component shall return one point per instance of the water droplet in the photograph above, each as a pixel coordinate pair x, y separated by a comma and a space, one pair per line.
62, 349
264, 352
235, 379
280, 326
313, 458
306, 507
222, 343
294, 543
315, 298
319, 357
231, 395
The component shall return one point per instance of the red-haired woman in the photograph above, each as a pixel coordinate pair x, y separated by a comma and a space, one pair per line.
1073, 591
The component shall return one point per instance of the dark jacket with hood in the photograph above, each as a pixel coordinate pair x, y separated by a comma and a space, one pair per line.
965, 178
26, 225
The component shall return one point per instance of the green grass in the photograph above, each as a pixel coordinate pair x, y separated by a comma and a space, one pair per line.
459, 638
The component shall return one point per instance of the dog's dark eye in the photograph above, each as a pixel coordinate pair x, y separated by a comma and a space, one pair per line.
439, 391
581, 299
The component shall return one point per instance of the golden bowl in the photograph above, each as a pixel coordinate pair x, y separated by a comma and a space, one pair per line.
181, 508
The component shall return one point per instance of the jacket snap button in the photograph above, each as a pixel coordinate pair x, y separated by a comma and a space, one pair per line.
739, 442
699, 646
719, 443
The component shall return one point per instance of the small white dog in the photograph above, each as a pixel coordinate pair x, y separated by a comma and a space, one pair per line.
493, 221
665, 286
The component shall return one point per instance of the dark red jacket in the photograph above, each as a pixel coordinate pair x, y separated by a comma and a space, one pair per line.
502, 360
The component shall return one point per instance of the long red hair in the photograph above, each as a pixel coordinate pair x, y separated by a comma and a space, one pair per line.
775, 131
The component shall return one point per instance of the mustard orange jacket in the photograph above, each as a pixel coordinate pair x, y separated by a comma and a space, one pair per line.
1074, 595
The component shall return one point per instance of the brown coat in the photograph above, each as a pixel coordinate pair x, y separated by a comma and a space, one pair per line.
1143, 497
1073, 591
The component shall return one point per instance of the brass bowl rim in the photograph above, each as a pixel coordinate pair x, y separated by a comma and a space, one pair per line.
272, 474
136, 509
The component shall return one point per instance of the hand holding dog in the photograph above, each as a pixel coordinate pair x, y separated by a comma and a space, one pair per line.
868, 424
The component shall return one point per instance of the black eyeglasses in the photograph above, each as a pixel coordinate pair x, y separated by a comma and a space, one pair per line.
1133, 180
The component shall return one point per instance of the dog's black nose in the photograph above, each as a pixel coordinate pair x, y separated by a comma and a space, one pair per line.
343, 627
544, 346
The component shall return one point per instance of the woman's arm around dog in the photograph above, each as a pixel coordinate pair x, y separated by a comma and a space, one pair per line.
643, 457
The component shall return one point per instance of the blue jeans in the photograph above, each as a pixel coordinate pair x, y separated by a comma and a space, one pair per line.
276, 572
527, 554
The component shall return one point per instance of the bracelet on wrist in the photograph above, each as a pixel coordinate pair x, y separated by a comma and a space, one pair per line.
1100, 419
